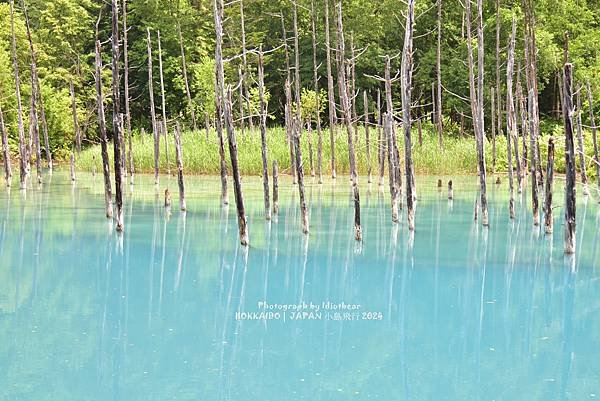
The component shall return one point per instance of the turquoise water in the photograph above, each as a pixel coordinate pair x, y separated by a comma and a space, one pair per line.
163, 312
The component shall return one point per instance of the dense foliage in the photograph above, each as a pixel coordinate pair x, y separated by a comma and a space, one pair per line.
65, 31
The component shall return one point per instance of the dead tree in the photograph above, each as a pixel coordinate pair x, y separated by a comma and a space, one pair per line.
241, 98
34, 128
117, 134
381, 141
36, 88
220, 93
347, 116
290, 129
103, 137
498, 111
493, 114
594, 135
297, 126
548, 220
388, 122
163, 104
155, 132
367, 139
570, 183
179, 158
297, 84
185, 77
5, 150
406, 74
310, 147
263, 134
237, 182
128, 131
438, 70
511, 118
275, 188
245, 66
580, 147
523, 161
317, 97
330, 91
76, 128
72, 165
392, 143
21, 128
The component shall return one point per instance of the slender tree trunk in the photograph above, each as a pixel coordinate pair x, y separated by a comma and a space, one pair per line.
381, 141
310, 148
406, 73
367, 138
568, 114
237, 183
580, 147
179, 157
594, 135
493, 114
393, 145
297, 84
511, 118
34, 128
245, 85
241, 98
290, 129
548, 220
330, 92
163, 104
263, 134
155, 131
118, 135
5, 150
76, 128
498, 110
317, 95
128, 131
352, 92
103, 137
346, 112
186, 81
297, 127
388, 123
523, 163
21, 128
439, 122
275, 188
220, 93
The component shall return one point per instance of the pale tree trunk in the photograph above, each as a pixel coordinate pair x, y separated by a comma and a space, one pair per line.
406, 74
128, 132
381, 141
439, 122
289, 127
297, 129
330, 91
297, 84
117, 134
237, 182
522, 163
493, 114
186, 81
155, 132
580, 147
511, 118
594, 135
393, 145
548, 219
219, 94
179, 159
498, 111
5, 150
21, 127
263, 134
347, 116
245, 85
367, 138
388, 123
241, 98
76, 128
34, 128
275, 188
163, 104
570, 183
318, 98
103, 137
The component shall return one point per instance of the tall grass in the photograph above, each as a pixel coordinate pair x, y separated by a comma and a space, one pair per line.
201, 153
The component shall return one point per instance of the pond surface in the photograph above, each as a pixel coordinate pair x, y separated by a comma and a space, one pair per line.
171, 309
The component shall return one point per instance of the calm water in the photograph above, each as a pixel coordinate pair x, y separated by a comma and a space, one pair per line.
161, 313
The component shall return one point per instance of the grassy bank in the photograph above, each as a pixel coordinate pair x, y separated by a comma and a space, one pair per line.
201, 154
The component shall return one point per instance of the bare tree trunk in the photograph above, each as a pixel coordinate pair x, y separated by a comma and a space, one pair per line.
263, 134
237, 183
346, 112
498, 111
381, 141
241, 98
393, 145
439, 121
511, 118
297, 129
317, 95
290, 129
34, 128
36, 88
330, 92
493, 114
76, 129
155, 131
388, 123
523, 162
220, 93
163, 104
21, 128
580, 147
128, 132
548, 220
594, 136
246, 70
367, 139
352, 92
406, 73
310, 148
118, 135
275, 188
5, 150
103, 138
186, 81
179, 157
568, 113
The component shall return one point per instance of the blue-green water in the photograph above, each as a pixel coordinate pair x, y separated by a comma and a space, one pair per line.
456, 312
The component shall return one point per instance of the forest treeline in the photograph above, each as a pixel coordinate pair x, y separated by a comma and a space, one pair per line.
64, 32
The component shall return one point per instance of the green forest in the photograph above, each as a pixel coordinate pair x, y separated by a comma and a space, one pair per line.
64, 33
